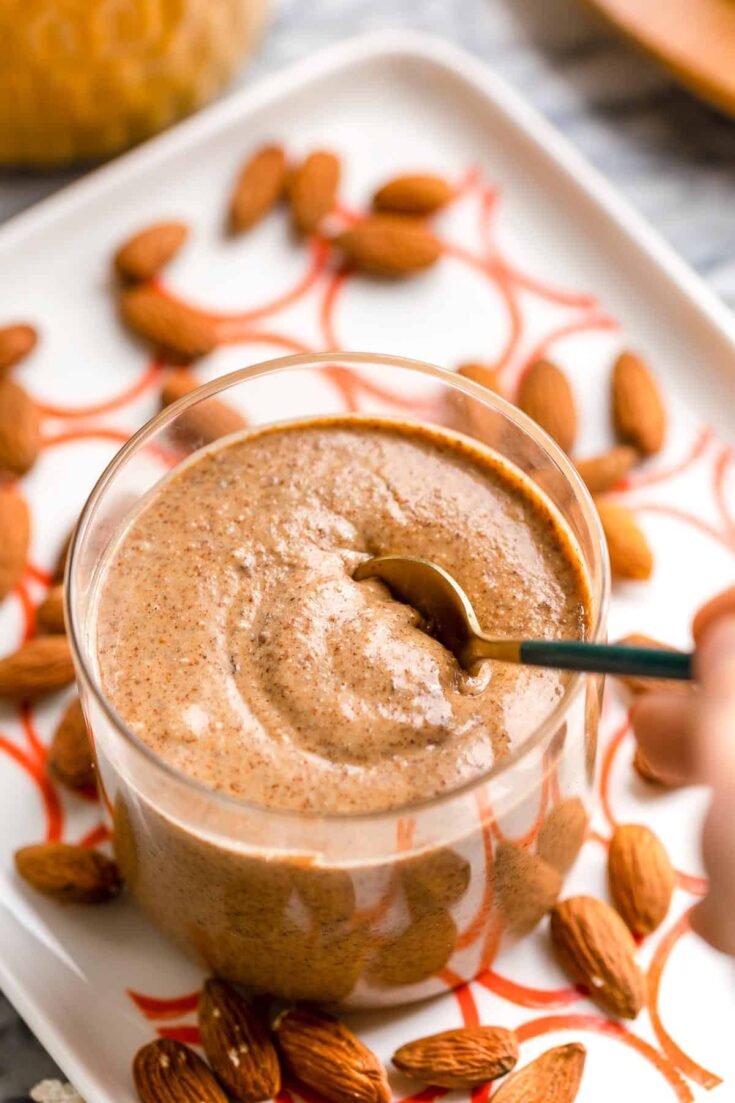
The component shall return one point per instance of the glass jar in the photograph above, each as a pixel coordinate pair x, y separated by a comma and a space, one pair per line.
360, 909
83, 79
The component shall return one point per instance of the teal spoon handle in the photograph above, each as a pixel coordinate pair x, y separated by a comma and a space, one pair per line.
599, 658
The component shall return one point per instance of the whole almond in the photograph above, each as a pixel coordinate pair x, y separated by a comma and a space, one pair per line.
50, 613
526, 887
554, 1077
602, 472
639, 414
597, 950
630, 554
144, 254
260, 185
641, 877
644, 769
15, 530
459, 1058
562, 834
16, 342
42, 665
69, 874
237, 1045
650, 685
312, 190
483, 374
420, 193
20, 429
389, 245
167, 1071
546, 396
207, 420
70, 754
329, 1058
166, 323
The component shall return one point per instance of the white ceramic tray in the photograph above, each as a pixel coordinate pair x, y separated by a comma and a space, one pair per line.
544, 256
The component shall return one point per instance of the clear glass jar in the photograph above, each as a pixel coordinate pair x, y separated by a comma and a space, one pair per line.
364, 910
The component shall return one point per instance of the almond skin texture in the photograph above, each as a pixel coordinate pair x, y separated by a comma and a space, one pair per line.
42, 665
546, 396
641, 877
420, 194
329, 1058
526, 887
208, 420
389, 245
144, 254
459, 1058
70, 755
167, 324
69, 874
16, 342
482, 374
601, 473
50, 613
639, 414
260, 185
167, 1071
554, 1077
312, 190
597, 950
15, 530
650, 685
20, 429
630, 555
237, 1045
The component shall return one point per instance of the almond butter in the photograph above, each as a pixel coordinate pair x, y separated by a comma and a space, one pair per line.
50, 613
420, 194
208, 420
597, 950
312, 190
460, 1058
526, 887
650, 685
144, 254
546, 396
630, 554
389, 245
329, 1058
641, 877
562, 834
483, 374
237, 1045
20, 429
639, 414
15, 531
16, 342
69, 874
70, 754
169, 325
167, 1071
260, 185
42, 665
554, 1077
602, 472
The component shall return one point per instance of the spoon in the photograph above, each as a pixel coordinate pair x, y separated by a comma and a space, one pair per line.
451, 619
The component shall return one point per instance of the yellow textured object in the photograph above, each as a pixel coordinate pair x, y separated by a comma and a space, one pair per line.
82, 79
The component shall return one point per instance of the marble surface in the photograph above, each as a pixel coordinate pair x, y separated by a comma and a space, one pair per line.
673, 157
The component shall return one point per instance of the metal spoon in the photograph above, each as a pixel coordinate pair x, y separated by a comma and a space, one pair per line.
451, 619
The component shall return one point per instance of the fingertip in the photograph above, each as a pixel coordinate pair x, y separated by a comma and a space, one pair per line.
715, 656
720, 605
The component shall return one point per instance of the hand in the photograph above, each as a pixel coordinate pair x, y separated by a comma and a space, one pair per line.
690, 739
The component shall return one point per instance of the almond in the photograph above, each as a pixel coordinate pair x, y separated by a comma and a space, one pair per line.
597, 950
630, 554
650, 685
207, 420
562, 834
70, 755
417, 952
16, 342
167, 1071
312, 190
483, 374
20, 429
144, 254
554, 1077
237, 1045
15, 530
546, 396
526, 887
329, 1058
602, 472
459, 1058
645, 770
50, 613
60, 564
42, 665
419, 194
260, 185
389, 245
639, 414
69, 874
641, 877
166, 323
